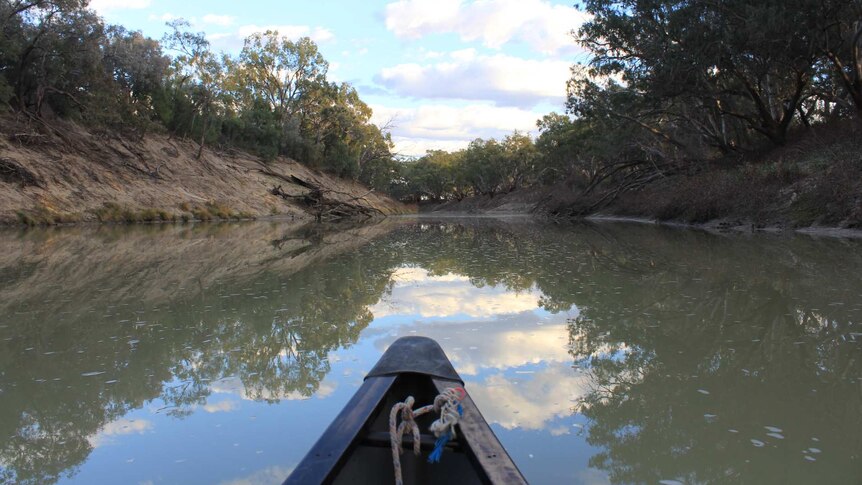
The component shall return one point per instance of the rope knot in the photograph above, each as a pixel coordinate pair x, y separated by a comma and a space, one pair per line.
447, 404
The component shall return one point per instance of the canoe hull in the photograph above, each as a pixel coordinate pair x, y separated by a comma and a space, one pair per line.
355, 449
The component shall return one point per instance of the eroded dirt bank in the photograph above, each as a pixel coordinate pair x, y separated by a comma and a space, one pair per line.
64, 173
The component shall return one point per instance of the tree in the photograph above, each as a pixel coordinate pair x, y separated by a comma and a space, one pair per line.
841, 30
282, 73
705, 64
520, 160
199, 69
138, 68
53, 58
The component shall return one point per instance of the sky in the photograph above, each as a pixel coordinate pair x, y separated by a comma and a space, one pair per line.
437, 73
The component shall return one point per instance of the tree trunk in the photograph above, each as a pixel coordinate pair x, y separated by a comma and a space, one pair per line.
203, 138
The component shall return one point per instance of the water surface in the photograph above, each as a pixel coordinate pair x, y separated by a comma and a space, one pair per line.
610, 353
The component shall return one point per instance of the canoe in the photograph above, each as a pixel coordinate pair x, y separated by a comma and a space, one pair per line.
356, 447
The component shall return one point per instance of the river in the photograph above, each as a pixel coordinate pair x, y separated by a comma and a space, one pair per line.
599, 353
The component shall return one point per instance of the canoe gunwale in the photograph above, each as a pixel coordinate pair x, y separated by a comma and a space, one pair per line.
481, 444
331, 451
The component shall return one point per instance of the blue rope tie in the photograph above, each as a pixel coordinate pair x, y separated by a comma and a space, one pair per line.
435, 455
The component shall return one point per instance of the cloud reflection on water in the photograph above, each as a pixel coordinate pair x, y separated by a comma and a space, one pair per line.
122, 426
417, 292
513, 355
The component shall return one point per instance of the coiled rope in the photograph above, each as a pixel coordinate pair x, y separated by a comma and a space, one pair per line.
447, 404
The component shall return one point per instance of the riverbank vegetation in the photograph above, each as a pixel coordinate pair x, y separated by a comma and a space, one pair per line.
59, 60
740, 110
690, 111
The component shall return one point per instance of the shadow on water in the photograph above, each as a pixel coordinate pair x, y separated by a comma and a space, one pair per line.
711, 358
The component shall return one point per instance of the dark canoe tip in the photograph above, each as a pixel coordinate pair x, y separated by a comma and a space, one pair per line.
416, 355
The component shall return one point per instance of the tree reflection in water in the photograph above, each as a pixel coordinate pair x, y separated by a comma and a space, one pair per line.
222, 302
686, 335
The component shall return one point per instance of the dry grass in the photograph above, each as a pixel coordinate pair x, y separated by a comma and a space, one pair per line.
42, 215
116, 213
814, 181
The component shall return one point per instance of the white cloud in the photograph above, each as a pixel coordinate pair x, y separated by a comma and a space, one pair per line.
317, 34
273, 474
418, 293
543, 26
233, 41
105, 6
202, 22
165, 17
416, 147
527, 376
220, 20
500, 344
120, 427
234, 385
450, 127
533, 401
221, 407
446, 301
505, 80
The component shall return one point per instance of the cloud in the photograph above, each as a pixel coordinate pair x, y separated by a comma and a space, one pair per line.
505, 343
525, 375
543, 26
530, 402
105, 6
120, 427
233, 41
418, 293
220, 20
221, 407
416, 147
502, 79
235, 386
165, 17
317, 34
202, 22
450, 127
273, 474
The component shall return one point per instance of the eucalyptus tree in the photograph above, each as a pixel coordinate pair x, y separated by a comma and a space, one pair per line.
484, 163
433, 175
520, 160
562, 145
137, 68
841, 44
706, 66
51, 51
281, 73
199, 70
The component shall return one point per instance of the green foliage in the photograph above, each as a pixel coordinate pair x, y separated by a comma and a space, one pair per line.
58, 58
485, 167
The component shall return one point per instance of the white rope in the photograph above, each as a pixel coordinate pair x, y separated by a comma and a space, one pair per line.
446, 404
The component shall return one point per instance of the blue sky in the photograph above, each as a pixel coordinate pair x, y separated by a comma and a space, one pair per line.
439, 72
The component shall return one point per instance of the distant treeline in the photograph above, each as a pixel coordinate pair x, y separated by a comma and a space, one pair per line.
674, 87
59, 59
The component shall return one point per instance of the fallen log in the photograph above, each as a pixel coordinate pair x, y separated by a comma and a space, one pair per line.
326, 208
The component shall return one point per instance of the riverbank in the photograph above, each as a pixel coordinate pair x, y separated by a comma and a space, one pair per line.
64, 173
813, 185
